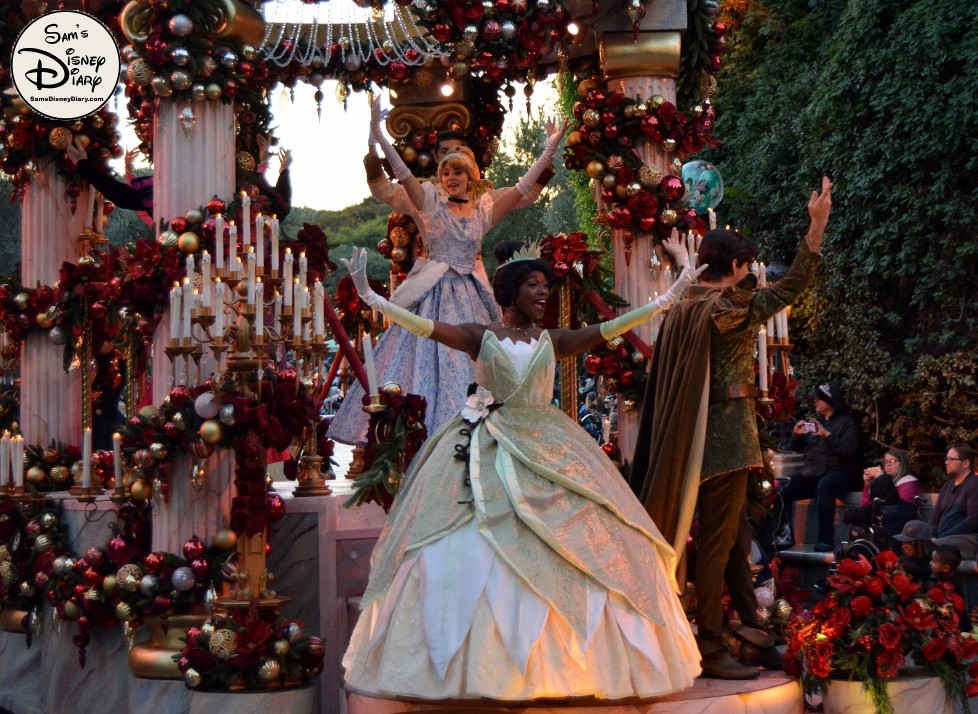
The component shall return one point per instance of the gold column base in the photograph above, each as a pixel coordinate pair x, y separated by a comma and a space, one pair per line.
356, 464
311, 479
153, 659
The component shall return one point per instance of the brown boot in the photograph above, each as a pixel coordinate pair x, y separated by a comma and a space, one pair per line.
767, 657
721, 665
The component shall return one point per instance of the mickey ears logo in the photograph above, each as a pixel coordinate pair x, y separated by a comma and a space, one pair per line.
65, 65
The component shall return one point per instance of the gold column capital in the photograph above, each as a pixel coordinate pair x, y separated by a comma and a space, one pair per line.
651, 54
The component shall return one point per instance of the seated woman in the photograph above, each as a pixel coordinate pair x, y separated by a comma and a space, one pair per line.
895, 486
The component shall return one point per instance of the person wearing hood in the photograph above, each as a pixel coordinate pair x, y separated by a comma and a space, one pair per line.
829, 442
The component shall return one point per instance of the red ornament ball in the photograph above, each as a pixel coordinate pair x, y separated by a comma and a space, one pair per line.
193, 548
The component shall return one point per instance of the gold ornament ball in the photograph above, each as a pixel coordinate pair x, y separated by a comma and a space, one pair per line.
595, 169
83, 140
409, 154
178, 421
42, 543
168, 239
4, 553
108, 583
633, 188
213, 91
281, 648
400, 237
595, 138
35, 475
609, 181
124, 612
676, 167
26, 589
591, 118
781, 609
649, 176
21, 301
140, 490
423, 78
669, 144
148, 412
76, 470
223, 644
194, 215
628, 405
158, 451
43, 320
269, 670
392, 388
668, 217
585, 87
192, 678
211, 432
707, 85
139, 72
188, 242
245, 161
621, 190
8, 573
573, 138
399, 255
225, 539
656, 101
72, 611
59, 138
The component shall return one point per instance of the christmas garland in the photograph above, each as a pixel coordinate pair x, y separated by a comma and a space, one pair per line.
394, 436
704, 44
503, 40
602, 143
245, 652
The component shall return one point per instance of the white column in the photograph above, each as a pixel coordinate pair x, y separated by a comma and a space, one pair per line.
50, 398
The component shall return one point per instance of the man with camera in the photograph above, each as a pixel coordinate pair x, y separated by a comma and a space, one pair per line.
830, 444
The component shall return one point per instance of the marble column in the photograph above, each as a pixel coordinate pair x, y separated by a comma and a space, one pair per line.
49, 237
642, 67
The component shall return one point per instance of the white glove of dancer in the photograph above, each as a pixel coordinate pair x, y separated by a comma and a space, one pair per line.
555, 132
357, 265
634, 318
401, 171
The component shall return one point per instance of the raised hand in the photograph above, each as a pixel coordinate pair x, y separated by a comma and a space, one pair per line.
819, 207
76, 152
675, 246
357, 266
285, 159
555, 132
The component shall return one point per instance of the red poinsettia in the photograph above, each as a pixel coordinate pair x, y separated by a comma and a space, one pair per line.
873, 619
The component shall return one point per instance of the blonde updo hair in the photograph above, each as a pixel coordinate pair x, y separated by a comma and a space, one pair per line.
463, 158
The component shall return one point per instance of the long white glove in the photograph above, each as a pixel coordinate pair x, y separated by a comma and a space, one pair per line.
357, 265
525, 184
634, 318
401, 171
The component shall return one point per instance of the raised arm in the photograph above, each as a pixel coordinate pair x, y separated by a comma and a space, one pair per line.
510, 197
465, 338
401, 172
572, 342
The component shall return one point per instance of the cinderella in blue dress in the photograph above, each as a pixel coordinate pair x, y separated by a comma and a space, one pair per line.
442, 287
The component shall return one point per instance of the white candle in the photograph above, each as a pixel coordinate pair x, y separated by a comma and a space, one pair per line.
762, 358
190, 269
317, 309
755, 268
238, 269
188, 302
260, 308
99, 209
303, 270
368, 362
89, 206
783, 332
260, 239
712, 218
245, 220
274, 243
86, 458
667, 276
219, 243
297, 311
762, 276
219, 312
287, 276
605, 430
251, 278
117, 457
205, 276
5, 459
175, 313
17, 457
232, 245
277, 310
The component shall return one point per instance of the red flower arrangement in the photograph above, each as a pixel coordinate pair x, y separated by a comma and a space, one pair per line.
871, 622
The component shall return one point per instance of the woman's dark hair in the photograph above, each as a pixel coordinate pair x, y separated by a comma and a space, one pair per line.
508, 278
720, 248
904, 460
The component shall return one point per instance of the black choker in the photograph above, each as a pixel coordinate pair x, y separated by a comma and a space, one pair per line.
458, 200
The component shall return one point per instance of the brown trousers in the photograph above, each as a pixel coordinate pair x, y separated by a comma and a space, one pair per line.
722, 556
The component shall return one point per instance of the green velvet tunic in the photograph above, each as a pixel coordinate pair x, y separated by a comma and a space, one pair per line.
731, 428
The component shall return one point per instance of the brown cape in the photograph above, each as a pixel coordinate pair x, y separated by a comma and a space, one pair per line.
672, 429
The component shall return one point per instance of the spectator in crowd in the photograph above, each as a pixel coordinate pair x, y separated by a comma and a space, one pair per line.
916, 548
895, 486
944, 564
589, 401
954, 519
592, 422
829, 443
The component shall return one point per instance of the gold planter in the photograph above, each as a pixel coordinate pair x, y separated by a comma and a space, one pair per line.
12, 620
154, 659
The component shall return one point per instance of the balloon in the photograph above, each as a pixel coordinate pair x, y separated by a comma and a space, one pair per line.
704, 185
